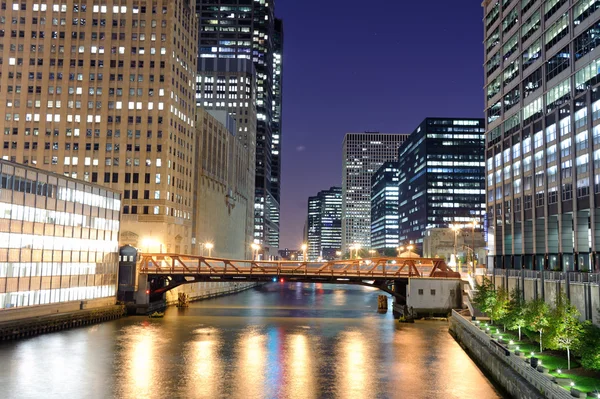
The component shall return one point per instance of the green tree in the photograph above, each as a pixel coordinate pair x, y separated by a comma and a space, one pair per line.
588, 347
515, 319
565, 328
500, 307
390, 252
485, 296
537, 315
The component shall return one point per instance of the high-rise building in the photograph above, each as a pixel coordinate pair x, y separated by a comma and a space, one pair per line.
229, 85
363, 155
542, 72
249, 31
442, 178
104, 93
384, 207
325, 224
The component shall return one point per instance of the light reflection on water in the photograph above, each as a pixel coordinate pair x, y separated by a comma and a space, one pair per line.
281, 341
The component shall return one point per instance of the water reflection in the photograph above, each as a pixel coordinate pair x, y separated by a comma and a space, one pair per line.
204, 378
305, 342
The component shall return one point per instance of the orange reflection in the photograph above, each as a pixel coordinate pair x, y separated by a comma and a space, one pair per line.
140, 363
251, 369
299, 380
355, 371
204, 364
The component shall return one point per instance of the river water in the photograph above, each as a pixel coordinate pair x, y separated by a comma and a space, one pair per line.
276, 341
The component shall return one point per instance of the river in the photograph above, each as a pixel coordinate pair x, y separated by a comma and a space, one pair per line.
281, 340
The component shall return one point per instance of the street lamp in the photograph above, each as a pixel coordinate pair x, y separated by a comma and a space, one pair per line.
473, 225
338, 254
356, 249
255, 247
209, 246
456, 229
372, 252
410, 248
304, 248
400, 250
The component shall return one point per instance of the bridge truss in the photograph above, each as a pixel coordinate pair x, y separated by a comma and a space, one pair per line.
383, 273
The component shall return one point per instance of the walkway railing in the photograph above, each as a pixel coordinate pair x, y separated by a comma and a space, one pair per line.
542, 383
549, 275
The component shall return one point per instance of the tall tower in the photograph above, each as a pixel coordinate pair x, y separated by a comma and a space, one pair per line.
229, 30
363, 155
105, 94
543, 161
324, 235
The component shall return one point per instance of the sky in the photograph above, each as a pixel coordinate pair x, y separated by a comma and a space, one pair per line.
377, 65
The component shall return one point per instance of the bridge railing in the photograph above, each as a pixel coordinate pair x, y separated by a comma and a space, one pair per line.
388, 267
534, 377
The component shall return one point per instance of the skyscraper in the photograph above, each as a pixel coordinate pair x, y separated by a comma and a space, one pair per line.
384, 207
248, 31
542, 72
104, 93
363, 154
441, 176
325, 224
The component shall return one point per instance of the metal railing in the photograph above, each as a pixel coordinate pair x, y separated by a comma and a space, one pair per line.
541, 382
549, 275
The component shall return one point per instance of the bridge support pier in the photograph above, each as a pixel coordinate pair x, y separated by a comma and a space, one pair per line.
399, 301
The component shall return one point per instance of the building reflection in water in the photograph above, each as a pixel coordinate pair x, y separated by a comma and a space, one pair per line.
249, 373
204, 378
139, 362
299, 375
355, 369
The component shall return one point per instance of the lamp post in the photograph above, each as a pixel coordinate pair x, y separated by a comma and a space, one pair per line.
338, 254
410, 248
455, 229
356, 249
255, 247
473, 225
304, 248
372, 252
209, 246
400, 250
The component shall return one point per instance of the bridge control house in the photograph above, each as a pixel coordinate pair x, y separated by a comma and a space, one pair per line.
58, 242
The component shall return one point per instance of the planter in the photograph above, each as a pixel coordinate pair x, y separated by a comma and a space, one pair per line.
563, 382
576, 393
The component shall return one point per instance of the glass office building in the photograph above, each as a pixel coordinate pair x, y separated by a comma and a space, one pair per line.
442, 176
325, 224
384, 207
542, 75
58, 238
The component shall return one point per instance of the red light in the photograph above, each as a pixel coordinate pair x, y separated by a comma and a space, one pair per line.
281, 281
147, 291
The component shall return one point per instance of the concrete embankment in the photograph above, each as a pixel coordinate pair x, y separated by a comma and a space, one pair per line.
28, 327
492, 363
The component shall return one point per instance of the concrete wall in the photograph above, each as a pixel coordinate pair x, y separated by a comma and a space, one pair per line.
29, 312
199, 290
584, 296
434, 296
501, 372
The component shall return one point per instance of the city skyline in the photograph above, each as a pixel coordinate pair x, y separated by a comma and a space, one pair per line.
341, 94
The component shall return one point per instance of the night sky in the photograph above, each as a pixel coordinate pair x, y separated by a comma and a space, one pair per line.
377, 65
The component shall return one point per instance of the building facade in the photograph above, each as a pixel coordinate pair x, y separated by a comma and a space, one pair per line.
248, 30
324, 235
384, 207
59, 238
442, 177
543, 142
223, 189
229, 86
105, 94
362, 155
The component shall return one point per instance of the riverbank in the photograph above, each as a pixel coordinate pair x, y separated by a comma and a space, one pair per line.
511, 373
23, 328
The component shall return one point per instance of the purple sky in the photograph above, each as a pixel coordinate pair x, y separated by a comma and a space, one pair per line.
377, 65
